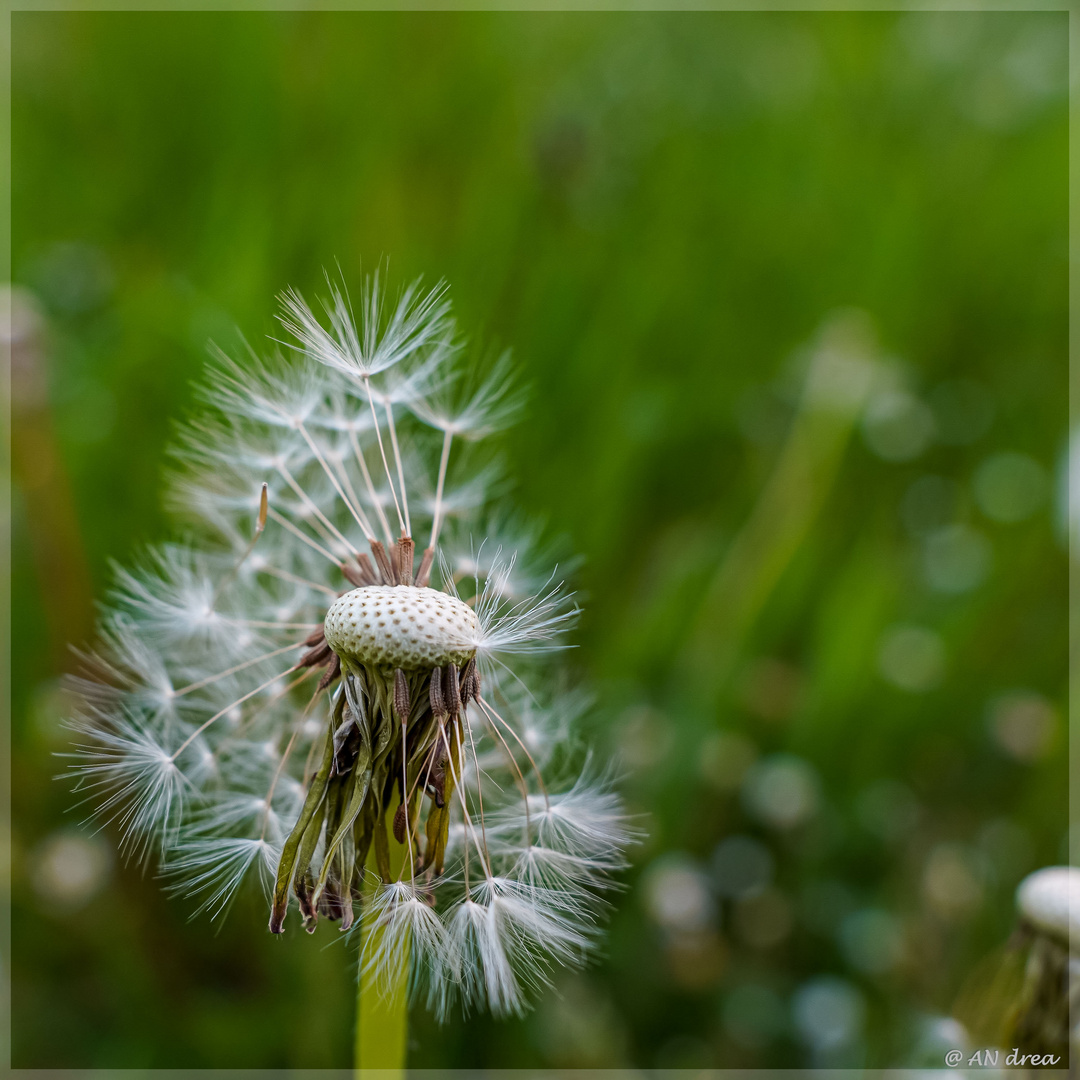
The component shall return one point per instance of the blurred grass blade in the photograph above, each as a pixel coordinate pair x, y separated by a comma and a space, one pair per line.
837, 383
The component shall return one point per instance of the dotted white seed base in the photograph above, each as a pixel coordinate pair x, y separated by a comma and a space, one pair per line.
401, 626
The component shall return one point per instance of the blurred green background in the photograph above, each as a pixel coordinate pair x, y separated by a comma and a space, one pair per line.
790, 290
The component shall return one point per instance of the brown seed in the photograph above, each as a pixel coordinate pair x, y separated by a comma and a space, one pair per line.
438, 702
451, 689
316, 656
399, 824
367, 571
401, 696
331, 673
423, 575
470, 682
382, 560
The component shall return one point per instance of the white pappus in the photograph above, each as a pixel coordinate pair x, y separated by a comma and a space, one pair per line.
302, 695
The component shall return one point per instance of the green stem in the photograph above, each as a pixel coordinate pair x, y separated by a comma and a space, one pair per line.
382, 1022
382, 1010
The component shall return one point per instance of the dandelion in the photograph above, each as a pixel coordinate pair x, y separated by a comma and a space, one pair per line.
1044, 1014
1026, 994
305, 696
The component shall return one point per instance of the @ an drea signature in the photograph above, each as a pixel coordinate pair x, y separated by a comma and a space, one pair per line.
991, 1058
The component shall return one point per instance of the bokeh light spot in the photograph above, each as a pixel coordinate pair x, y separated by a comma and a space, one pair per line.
677, 895
782, 791
1010, 487
872, 940
828, 1013
741, 866
69, 869
963, 411
753, 1015
956, 559
929, 504
953, 881
763, 920
1022, 725
897, 426
888, 809
912, 658
726, 756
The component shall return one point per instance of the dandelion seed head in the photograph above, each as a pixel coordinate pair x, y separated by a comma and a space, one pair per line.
401, 627
340, 662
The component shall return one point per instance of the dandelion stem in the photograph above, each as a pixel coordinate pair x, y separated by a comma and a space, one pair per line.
382, 1019
382, 1008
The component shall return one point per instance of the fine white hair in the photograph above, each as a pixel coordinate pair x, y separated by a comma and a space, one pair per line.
202, 720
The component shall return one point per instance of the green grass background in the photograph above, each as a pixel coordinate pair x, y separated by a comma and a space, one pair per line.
657, 211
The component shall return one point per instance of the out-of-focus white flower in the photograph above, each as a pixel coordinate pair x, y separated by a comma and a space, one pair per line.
275, 698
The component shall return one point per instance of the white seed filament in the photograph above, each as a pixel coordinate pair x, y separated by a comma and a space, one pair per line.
401, 626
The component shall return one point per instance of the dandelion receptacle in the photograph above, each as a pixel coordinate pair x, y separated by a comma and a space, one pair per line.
341, 686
